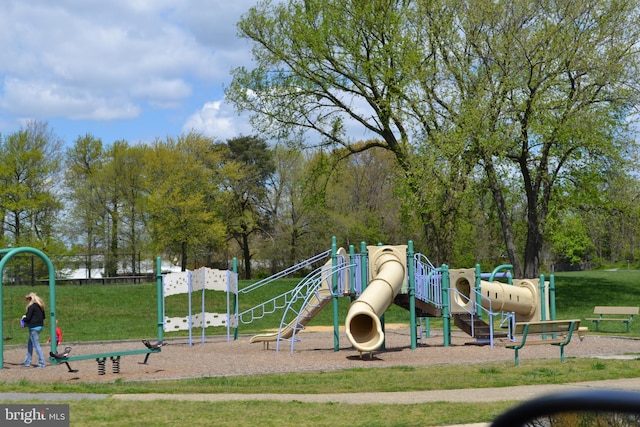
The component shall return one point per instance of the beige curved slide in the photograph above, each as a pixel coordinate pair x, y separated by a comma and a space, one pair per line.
314, 306
387, 266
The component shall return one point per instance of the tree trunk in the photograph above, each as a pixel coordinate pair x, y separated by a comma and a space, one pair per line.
507, 230
533, 246
532, 253
183, 256
246, 254
112, 266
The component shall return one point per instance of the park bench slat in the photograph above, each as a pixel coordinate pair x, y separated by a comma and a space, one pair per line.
603, 311
616, 310
535, 333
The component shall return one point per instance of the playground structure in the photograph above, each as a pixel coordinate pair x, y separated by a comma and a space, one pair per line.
374, 279
486, 306
59, 358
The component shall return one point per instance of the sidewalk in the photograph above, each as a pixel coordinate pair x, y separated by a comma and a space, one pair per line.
402, 398
493, 394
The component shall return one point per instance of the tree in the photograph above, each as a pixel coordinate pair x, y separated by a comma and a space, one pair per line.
612, 226
110, 190
546, 90
248, 167
321, 65
360, 199
29, 171
287, 213
523, 92
133, 186
84, 162
184, 198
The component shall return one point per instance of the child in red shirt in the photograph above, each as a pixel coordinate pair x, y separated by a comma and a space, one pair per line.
58, 334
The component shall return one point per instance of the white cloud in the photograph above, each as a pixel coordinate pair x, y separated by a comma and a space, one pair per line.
112, 59
217, 120
162, 93
40, 99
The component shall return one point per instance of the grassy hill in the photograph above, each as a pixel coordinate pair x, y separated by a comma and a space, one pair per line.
112, 312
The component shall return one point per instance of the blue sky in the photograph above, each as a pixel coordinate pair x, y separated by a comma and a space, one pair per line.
121, 69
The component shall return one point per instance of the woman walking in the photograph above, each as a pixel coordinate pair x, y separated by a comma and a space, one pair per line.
34, 320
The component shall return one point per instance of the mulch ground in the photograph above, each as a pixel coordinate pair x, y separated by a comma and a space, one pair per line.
313, 352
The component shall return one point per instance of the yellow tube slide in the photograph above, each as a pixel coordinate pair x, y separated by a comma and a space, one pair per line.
387, 266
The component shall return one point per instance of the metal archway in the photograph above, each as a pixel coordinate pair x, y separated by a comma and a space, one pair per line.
7, 254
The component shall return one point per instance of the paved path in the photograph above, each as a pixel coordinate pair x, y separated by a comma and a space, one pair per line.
493, 394
465, 395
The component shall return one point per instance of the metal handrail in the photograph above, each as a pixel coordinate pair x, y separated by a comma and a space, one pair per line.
285, 272
478, 307
276, 303
285, 299
428, 281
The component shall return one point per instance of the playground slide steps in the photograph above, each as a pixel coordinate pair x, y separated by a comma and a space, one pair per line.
423, 308
475, 327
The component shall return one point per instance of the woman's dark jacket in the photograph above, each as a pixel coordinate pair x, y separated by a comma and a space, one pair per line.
34, 317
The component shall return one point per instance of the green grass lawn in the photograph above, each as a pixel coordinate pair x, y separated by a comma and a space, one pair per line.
577, 293
99, 312
111, 412
118, 413
113, 312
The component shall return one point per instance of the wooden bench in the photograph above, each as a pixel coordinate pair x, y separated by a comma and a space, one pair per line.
554, 332
602, 311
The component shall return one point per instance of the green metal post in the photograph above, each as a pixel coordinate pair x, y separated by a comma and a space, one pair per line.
234, 266
334, 287
552, 297
7, 255
160, 297
446, 320
412, 295
543, 298
364, 265
2, 323
427, 327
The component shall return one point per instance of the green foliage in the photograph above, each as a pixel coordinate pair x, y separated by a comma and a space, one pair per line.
529, 98
30, 160
183, 201
570, 240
